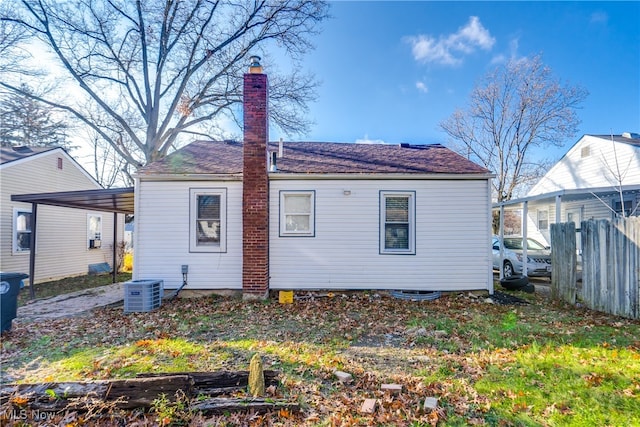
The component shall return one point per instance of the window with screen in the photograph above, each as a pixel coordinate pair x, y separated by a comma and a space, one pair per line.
397, 222
22, 230
207, 213
94, 231
543, 219
297, 213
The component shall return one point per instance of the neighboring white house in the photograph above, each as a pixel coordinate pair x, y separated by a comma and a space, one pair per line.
598, 178
67, 240
254, 216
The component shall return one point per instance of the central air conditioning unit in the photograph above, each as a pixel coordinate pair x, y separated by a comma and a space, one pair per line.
142, 295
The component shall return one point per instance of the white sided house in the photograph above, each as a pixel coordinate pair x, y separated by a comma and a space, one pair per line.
68, 240
598, 178
257, 216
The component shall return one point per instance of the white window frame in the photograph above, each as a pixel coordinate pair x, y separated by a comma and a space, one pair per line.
632, 210
194, 193
93, 235
311, 232
546, 211
411, 250
16, 213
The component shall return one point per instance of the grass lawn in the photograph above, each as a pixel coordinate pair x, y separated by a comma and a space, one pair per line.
538, 364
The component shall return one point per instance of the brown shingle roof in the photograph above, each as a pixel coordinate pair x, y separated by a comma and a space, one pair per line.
225, 157
9, 154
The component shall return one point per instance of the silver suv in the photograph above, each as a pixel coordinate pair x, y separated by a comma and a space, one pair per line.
538, 256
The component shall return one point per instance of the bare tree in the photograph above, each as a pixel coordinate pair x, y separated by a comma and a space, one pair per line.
518, 106
109, 169
148, 73
12, 36
615, 173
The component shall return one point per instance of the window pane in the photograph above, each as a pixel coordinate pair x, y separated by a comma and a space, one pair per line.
396, 236
543, 220
397, 209
298, 203
297, 223
627, 207
534, 245
208, 232
95, 227
209, 207
23, 221
23, 241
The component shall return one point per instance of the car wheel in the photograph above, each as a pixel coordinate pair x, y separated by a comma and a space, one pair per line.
507, 270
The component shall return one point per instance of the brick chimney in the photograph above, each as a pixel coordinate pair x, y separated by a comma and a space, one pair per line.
255, 185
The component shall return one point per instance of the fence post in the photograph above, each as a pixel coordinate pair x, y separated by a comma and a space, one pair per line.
563, 261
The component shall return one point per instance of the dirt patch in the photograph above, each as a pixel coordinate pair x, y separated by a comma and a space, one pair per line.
507, 299
73, 304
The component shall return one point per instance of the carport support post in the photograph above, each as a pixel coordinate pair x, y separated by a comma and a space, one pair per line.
32, 251
525, 258
501, 233
115, 247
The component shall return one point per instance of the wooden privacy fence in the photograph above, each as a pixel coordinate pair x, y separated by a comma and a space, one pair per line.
563, 262
610, 265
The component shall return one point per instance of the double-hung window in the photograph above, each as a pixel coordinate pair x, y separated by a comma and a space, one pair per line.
94, 231
297, 213
21, 230
624, 207
208, 220
397, 222
543, 219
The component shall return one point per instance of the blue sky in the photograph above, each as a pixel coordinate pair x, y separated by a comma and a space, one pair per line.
392, 70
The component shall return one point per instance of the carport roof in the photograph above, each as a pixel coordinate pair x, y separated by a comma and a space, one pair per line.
571, 195
119, 200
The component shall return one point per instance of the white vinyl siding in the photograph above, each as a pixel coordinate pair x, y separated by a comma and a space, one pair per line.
598, 169
163, 235
452, 237
297, 213
61, 235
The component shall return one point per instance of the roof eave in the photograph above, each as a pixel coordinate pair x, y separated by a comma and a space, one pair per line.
379, 176
189, 177
568, 192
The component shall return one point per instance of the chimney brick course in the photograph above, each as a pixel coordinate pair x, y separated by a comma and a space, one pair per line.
255, 189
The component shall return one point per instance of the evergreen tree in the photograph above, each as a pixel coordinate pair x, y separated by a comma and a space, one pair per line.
25, 121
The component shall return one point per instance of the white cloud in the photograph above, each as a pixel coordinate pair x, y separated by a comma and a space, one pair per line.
449, 49
422, 87
501, 58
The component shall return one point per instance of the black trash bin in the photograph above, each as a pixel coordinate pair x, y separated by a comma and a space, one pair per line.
10, 284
